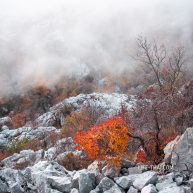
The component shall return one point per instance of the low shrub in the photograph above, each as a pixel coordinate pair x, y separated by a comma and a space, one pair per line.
73, 162
17, 146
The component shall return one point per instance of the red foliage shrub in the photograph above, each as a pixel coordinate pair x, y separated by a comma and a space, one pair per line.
106, 141
140, 157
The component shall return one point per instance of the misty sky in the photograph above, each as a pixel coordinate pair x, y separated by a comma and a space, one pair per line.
41, 40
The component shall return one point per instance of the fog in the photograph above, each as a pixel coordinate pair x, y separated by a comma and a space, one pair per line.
42, 40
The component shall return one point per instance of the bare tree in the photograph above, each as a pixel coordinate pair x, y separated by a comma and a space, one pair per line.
152, 121
167, 67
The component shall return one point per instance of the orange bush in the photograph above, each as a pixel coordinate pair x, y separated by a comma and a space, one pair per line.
106, 141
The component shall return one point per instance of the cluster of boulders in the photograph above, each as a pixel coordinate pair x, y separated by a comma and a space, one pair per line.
50, 177
43, 174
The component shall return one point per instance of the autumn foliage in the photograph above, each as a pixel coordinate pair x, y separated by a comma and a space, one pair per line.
141, 157
106, 141
18, 120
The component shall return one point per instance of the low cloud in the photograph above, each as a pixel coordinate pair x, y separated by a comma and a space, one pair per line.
42, 40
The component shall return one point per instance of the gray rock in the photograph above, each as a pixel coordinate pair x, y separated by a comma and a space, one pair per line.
8, 136
74, 190
3, 143
57, 175
5, 121
179, 180
169, 149
136, 170
3, 186
187, 189
75, 180
105, 184
173, 189
25, 157
182, 155
132, 190
5, 127
126, 181
161, 186
110, 103
113, 189
149, 189
165, 181
144, 179
94, 167
110, 172
16, 188
86, 182
50, 191
191, 183
62, 184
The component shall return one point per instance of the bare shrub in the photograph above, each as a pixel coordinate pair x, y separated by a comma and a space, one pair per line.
72, 162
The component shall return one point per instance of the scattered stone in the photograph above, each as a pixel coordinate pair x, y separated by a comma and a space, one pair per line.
165, 180
62, 184
3, 186
4, 127
173, 189
187, 189
94, 167
132, 190
169, 148
74, 190
144, 179
183, 152
149, 189
16, 188
179, 180
136, 170
86, 182
110, 172
114, 189
5, 121
105, 184
126, 181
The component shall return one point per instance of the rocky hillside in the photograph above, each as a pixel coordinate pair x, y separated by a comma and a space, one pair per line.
45, 175
47, 163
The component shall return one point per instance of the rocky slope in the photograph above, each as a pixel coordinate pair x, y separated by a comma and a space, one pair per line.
109, 103
50, 177
39, 172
